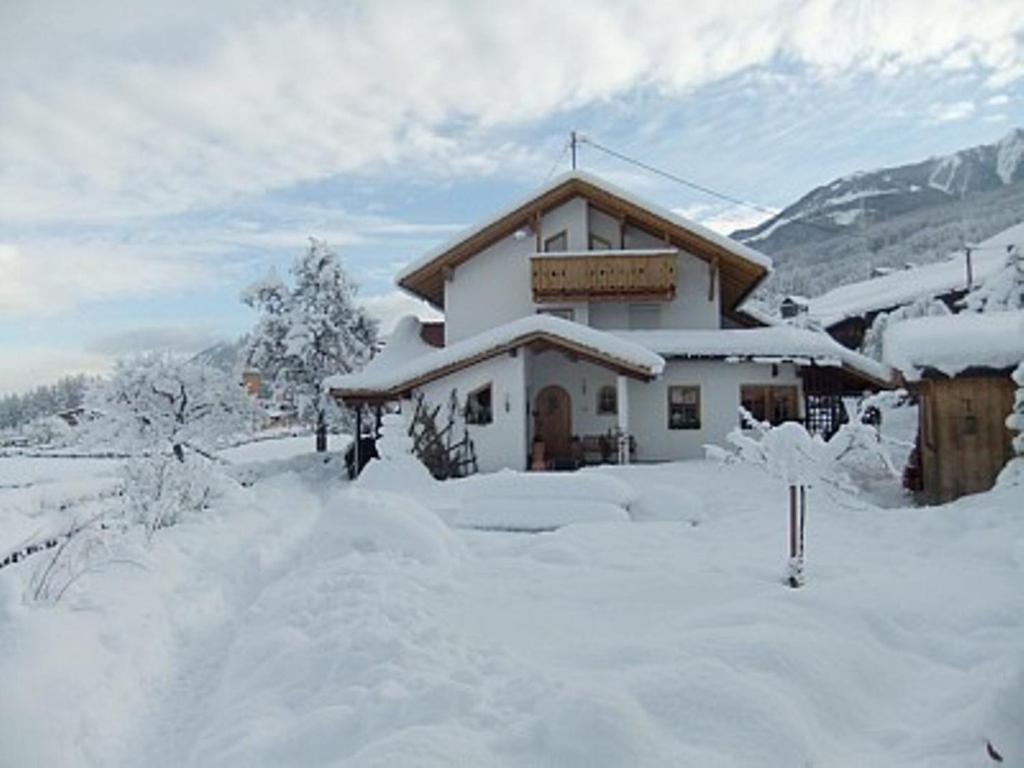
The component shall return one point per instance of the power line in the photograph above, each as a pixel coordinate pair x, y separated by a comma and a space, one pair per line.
558, 162
708, 191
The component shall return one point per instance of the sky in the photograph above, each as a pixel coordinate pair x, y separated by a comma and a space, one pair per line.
156, 157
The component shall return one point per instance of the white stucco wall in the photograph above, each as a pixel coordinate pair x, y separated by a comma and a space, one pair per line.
719, 401
516, 381
494, 287
502, 443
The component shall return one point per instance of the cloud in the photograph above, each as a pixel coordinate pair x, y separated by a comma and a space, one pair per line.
998, 100
184, 339
49, 275
723, 219
115, 112
43, 365
951, 112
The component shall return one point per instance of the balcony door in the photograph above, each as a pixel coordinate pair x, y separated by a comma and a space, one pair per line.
552, 422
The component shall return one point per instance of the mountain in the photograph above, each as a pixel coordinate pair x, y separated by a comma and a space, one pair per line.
224, 355
916, 213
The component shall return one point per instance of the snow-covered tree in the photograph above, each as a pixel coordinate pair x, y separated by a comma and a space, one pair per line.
309, 332
1014, 471
924, 307
1003, 290
155, 403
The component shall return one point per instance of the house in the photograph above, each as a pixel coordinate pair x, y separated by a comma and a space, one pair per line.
848, 311
585, 324
960, 367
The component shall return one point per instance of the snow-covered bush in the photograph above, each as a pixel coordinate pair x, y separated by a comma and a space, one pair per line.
156, 404
160, 490
1014, 471
306, 333
1003, 290
924, 307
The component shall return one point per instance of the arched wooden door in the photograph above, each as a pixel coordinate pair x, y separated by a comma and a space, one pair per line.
552, 422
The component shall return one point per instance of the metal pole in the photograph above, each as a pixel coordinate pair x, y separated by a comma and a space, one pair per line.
572, 145
970, 270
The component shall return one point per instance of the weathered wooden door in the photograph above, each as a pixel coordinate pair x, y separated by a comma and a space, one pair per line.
552, 422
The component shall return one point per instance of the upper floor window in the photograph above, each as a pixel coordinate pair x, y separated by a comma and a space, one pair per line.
559, 242
607, 401
684, 407
644, 317
598, 243
479, 408
772, 404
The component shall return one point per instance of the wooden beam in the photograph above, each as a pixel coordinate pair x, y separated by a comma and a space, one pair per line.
712, 278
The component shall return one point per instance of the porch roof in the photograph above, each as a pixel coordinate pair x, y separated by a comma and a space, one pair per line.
778, 343
408, 362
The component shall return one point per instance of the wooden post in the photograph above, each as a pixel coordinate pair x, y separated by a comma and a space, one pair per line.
355, 441
622, 409
797, 517
713, 268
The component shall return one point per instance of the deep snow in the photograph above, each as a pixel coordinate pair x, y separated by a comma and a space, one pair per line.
308, 621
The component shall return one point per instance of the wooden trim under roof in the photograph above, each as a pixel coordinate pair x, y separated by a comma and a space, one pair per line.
738, 276
535, 339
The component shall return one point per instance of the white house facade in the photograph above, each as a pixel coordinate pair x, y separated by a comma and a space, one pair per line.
584, 325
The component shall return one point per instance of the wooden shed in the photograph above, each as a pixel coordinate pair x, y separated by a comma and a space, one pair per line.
963, 441
960, 366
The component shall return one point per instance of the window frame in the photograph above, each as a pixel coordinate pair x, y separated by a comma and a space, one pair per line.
769, 397
566, 313
591, 238
479, 418
601, 408
564, 234
685, 424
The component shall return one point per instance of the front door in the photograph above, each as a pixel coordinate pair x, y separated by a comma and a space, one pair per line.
552, 422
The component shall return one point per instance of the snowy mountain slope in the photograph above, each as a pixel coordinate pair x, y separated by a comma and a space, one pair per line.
917, 212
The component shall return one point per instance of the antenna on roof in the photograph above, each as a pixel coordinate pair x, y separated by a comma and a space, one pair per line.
572, 146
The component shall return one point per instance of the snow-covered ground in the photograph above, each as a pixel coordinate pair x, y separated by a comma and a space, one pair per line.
308, 621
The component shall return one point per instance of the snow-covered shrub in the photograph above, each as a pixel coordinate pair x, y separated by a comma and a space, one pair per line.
924, 307
160, 490
1014, 471
155, 403
47, 431
1003, 290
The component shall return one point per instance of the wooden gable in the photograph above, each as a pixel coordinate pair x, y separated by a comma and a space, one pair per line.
734, 275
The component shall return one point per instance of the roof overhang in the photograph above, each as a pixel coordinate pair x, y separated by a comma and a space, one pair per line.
538, 340
741, 270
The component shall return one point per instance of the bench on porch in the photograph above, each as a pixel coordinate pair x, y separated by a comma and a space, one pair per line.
586, 450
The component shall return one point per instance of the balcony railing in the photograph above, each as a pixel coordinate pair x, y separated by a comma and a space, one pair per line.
648, 275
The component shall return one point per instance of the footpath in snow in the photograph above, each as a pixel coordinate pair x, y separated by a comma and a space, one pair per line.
306, 621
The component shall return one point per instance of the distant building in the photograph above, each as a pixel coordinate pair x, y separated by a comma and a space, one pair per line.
960, 367
848, 311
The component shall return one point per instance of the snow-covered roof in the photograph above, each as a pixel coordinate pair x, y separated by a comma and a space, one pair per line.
953, 343
779, 343
742, 267
907, 285
737, 248
411, 361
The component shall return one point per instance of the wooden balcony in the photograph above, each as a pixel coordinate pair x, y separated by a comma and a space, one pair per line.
648, 275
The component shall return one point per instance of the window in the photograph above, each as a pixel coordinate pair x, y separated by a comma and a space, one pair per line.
644, 317
684, 407
559, 242
566, 313
598, 243
478, 406
607, 401
772, 404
